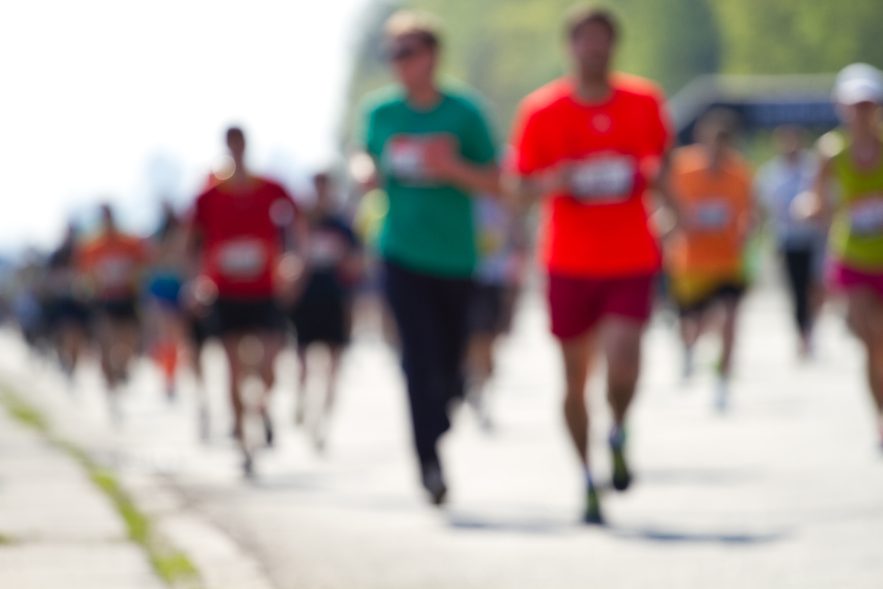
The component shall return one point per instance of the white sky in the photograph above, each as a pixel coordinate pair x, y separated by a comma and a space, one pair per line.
93, 90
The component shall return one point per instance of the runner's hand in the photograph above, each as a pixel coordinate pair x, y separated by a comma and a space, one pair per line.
555, 180
290, 277
199, 295
441, 159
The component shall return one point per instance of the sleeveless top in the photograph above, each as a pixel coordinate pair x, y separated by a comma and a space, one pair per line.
857, 228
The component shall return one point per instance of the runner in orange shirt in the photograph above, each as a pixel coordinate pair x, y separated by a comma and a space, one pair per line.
590, 145
705, 256
113, 263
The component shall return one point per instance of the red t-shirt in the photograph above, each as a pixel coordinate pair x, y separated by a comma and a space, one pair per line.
600, 227
241, 228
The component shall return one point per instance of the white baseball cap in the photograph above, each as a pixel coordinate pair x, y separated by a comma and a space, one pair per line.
859, 83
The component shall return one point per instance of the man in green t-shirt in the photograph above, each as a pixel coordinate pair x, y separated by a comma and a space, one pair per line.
433, 150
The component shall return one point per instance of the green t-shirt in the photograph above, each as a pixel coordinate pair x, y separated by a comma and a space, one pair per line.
857, 229
429, 225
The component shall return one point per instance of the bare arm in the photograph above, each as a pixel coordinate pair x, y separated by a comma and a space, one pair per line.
475, 179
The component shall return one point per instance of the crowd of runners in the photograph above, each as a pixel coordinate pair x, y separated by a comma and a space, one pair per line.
444, 233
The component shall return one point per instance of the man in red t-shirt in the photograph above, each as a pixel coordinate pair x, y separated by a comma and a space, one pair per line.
243, 228
591, 145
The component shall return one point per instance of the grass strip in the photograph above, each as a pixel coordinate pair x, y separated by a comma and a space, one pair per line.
171, 565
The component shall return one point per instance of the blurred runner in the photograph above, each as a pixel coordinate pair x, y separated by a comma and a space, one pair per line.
706, 253
242, 229
114, 263
801, 244
29, 304
67, 305
433, 150
852, 160
502, 243
590, 145
323, 313
166, 325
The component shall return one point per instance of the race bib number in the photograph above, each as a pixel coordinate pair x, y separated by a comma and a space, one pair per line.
326, 249
713, 215
604, 179
115, 272
406, 157
866, 217
243, 259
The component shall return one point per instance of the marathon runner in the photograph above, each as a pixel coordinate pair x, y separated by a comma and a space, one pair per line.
433, 151
323, 313
67, 306
242, 229
852, 161
590, 145
502, 243
114, 263
801, 244
705, 256
166, 328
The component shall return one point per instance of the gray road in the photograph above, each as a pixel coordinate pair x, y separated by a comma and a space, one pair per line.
786, 490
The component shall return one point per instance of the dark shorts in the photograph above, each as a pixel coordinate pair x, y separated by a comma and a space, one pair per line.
725, 292
65, 311
324, 320
200, 329
491, 309
241, 316
119, 310
578, 304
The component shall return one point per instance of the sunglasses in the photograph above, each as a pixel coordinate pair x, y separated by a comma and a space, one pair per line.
404, 53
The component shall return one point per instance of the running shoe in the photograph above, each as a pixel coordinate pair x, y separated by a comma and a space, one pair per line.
434, 483
593, 515
622, 476
269, 432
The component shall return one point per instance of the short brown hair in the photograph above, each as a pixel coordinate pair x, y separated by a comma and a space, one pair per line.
410, 23
583, 14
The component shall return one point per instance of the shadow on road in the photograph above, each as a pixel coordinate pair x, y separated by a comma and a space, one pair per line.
477, 523
669, 536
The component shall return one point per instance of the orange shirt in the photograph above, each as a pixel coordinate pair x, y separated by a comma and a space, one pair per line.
600, 226
114, 264
716, 206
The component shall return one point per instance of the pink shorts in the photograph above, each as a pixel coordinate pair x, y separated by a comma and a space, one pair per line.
578, 304
845, 278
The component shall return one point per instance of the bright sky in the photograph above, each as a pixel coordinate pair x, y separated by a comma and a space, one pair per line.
95, 90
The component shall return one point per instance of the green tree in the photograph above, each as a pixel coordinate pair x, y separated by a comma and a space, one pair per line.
799, 36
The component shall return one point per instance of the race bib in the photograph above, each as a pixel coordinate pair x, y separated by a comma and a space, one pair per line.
405, 157
713, 215
114, 271
326, 249
866, 217
604, 179
243, 259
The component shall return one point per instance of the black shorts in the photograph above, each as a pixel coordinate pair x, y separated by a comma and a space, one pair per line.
726, 292
241, 316
119, 310
490, 309
200, 329
64, 311
324, 320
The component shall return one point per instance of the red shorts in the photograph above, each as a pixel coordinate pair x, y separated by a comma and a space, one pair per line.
578, 304
845, 278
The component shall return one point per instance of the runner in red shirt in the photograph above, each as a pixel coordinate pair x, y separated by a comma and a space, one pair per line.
591, 145
243, 229
113, 264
